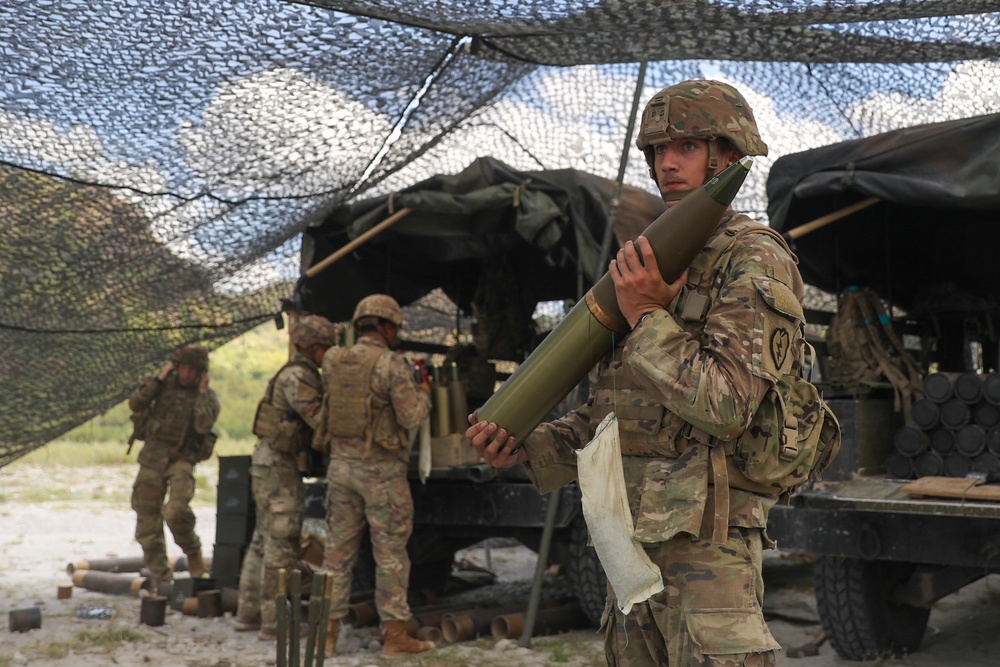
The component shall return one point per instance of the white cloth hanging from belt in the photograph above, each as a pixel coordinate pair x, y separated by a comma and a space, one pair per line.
632, 575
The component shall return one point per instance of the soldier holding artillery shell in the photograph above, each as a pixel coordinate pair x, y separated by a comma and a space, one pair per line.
703, 351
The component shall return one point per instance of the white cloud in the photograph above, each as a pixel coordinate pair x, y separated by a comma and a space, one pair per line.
78, 150
279, 133
962, 95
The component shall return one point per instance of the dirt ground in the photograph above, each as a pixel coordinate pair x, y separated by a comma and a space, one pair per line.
39, 539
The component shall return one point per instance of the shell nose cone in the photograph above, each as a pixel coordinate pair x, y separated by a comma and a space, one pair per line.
723, 188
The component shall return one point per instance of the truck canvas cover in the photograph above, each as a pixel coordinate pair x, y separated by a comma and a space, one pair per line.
542, 230
937, 221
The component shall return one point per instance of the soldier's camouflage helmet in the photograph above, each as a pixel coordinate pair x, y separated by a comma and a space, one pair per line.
698, 109
192, 354
378, 305
313, 330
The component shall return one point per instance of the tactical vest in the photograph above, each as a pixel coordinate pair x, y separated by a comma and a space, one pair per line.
283, 428
171, 417
352, 410
654, 431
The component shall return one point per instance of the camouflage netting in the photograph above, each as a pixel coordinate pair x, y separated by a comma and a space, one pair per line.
159, 159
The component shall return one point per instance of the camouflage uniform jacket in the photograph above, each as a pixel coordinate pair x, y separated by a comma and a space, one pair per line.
391, 383
695, 368
178, 417
297, 390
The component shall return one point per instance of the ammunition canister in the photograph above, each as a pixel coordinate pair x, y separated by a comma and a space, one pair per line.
987, 463
440, 418
955, 465
930, 463
970, 441
22, 620
991, 388
925, 413
911, 441
993, 440
588, 332
939, 387
986, 415
955, 414
968, 388
152, 610
107, 565
943, 441
458, 403
899, 466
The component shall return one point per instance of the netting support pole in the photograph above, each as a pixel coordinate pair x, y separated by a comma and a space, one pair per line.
602, 257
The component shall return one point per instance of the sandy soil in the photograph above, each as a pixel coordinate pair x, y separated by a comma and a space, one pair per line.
38, 540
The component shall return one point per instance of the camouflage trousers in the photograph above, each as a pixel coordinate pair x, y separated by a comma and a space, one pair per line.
148, 494
376, 493
709, 612
279, 499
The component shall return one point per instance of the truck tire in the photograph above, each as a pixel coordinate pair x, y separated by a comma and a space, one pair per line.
586, 572
859, 616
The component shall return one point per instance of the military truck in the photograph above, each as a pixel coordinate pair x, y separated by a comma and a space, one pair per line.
914, 215
484, 263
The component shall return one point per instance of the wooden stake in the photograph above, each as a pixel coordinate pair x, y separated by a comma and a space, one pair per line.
377, 229
825, 220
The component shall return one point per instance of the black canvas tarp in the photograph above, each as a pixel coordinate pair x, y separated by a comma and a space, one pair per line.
937, 223
542, 230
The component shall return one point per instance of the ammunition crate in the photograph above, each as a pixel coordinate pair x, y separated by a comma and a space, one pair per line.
227, 559
235, 499
867, 431
234, 528
234, 470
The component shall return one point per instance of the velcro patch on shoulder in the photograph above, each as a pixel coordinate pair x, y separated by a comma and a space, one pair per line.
780, 297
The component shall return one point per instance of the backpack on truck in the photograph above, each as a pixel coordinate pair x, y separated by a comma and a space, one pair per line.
865, 350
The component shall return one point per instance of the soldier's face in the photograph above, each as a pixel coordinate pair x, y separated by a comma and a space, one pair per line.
682, 165
188, 375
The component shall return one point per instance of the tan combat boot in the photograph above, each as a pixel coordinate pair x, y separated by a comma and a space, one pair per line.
196, 564
332, 632
396, 643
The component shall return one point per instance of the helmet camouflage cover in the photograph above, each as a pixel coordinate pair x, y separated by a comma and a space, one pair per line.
699, 109
378, 305
192, 354
313, 330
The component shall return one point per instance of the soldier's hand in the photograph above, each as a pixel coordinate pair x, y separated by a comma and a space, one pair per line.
203, 384
500, 452
167, 369
639, 286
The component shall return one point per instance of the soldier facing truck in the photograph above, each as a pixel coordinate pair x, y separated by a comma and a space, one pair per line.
284, 423
370, 404
703, 353
174, 412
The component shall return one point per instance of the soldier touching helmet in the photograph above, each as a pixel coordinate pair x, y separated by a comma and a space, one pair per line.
691, 372
177, 410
